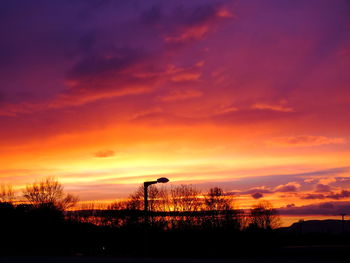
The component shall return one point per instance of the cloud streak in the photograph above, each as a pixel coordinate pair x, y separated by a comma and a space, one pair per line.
104, 154
306, 140
324, 208
332, 195
197, 23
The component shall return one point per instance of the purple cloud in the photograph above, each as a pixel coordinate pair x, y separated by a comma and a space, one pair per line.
257, 195
340, 195
289, 187
313, 196
321, 188
326, 208
257, 190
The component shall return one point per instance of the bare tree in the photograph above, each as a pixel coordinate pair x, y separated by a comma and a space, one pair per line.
185, 198
264, 216
136, 201
118, 205
162, 201
7, 194
49, 192
221, 209
215, 200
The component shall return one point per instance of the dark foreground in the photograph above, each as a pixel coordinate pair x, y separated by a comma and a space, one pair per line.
290, 254
158, 260
29, 234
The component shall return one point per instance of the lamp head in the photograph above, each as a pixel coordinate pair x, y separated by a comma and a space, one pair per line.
162, 180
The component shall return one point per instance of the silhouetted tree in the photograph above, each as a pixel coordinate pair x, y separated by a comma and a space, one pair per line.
184, 201
222, 212
136, 201
7, 194
184, 198
264, 216
216, 201
118, 205
49, 193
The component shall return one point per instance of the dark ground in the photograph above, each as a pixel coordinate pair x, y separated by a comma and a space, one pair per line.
290, 254
143, 260
45, 236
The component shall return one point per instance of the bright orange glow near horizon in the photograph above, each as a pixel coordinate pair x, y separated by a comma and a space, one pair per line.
250, 96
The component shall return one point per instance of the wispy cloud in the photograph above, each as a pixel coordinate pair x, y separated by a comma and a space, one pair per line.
146, 112
181, 95
343, 194
104, 154
272, 107
197, 23
325, 208
306, 140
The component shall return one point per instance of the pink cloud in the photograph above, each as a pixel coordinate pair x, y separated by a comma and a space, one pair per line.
226, 110
147, 112
188, 34
306, 140
181, 95
198, 27
186, 77
273, 107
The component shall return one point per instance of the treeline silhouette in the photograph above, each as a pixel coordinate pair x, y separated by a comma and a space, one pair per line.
181, 207
181, 222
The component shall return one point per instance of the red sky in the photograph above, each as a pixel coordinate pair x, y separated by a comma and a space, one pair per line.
251, 96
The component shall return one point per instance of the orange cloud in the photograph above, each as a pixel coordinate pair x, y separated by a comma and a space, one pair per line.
104, 154
327, 181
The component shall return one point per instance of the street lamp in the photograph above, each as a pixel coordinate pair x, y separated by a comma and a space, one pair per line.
145, 191
342, 222
145, 187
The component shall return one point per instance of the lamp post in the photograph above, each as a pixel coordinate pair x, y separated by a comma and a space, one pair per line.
145, 187
145, 192
342, 222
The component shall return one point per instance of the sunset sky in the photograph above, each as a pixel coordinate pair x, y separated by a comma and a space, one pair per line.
251, 96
